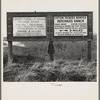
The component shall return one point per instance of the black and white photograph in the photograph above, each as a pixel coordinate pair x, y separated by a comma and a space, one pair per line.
49, 49
50, 46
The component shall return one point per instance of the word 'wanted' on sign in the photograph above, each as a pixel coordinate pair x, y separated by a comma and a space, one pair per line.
70, 26
29, 26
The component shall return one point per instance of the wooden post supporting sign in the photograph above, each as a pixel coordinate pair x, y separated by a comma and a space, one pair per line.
51, 50
89, 50
10, 55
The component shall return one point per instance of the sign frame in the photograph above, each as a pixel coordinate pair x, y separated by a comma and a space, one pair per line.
49, 26
10, 16
89, 36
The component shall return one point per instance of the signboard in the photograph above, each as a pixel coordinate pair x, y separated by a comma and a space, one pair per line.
70, 26
58, 26
64, 26
29, 26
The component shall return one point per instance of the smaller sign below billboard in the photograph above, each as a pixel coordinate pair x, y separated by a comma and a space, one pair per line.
70, 26
29, 26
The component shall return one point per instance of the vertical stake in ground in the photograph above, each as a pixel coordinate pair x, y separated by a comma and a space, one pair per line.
10, 55
89, 50
51, 51
50, 46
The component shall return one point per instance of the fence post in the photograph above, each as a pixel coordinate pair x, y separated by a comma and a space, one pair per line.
89, 50
10, 55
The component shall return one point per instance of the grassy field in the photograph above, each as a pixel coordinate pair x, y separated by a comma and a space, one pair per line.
31, 62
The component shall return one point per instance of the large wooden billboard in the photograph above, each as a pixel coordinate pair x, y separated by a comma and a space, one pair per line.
55, 26
49, 26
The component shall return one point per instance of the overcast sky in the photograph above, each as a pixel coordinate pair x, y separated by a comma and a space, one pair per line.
49, 6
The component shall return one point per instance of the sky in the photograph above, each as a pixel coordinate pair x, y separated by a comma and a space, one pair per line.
48, 6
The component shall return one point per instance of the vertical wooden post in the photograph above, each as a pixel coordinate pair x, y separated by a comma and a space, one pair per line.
89, 50
10, 55
51, 51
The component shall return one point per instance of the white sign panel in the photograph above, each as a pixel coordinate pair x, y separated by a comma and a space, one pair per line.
70, 26
29, 26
